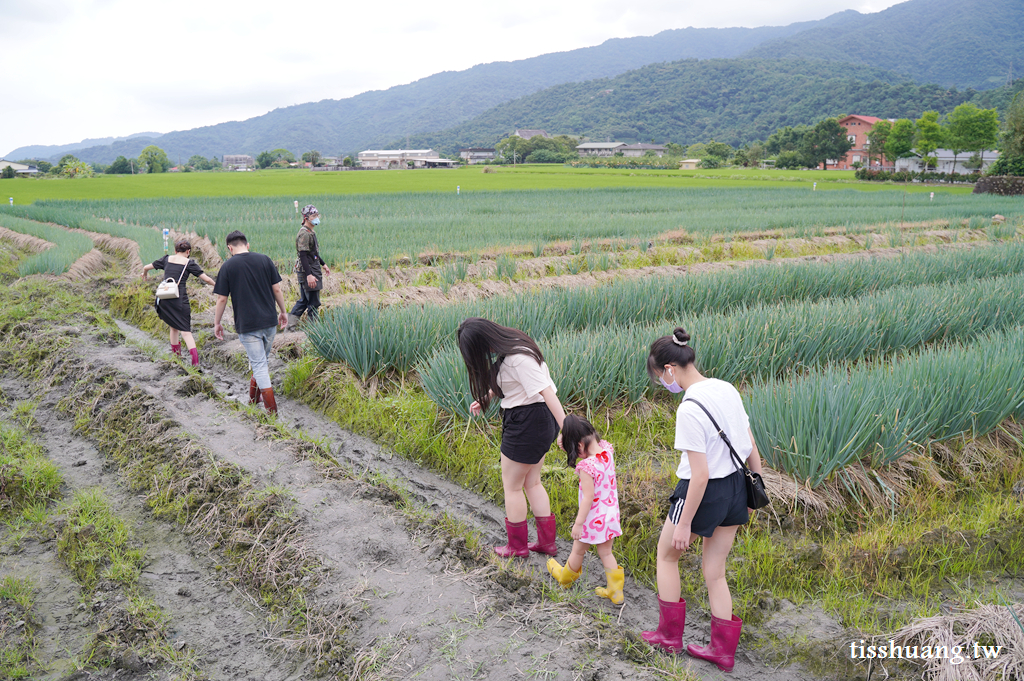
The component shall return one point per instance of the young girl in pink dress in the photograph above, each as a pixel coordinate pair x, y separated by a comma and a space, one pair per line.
597, 523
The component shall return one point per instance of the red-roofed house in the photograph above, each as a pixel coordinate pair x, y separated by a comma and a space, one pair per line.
857, 132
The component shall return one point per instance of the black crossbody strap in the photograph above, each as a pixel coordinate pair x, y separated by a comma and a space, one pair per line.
721, 434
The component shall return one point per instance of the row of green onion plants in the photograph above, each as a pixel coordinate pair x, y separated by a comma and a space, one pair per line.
149, 239
67, 246
879, 411
371, 340
756, 344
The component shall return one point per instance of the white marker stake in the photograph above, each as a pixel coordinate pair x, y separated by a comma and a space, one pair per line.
458, 189
815, 188
11, 200
167, 234
296, 206
933, 197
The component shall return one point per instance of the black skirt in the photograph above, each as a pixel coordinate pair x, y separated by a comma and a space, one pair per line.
724, 503
175, 313
527, 432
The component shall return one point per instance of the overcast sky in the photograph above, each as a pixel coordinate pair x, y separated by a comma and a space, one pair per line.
75, 69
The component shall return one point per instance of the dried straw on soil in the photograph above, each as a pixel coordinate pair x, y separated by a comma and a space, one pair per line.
126, 249
208, 256
999, 625
86, 266
25, 242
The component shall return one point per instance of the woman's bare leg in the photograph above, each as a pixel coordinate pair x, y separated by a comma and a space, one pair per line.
716, 551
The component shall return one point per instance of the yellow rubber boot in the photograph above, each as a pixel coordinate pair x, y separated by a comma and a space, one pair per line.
616, 580
563, 575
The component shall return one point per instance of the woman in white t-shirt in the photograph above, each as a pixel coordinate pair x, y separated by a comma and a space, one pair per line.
710, 500
507, 363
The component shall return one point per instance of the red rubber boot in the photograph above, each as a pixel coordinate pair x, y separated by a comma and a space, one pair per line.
547, 530
254, 391
269, 401
194, 354
725, 636
518, 533
671, 622
176, 350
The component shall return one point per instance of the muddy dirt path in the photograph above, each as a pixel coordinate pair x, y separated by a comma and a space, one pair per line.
207, 616
424, 602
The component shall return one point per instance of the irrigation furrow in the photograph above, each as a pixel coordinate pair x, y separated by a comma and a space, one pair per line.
207, 619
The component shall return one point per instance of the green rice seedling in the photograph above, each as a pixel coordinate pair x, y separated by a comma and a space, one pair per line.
978, 222
769, 251
574, 265
867, 242
896, 238
385, 262
576, 247
538, 248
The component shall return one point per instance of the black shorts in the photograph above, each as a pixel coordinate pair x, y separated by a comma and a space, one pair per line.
527, 432
724, 503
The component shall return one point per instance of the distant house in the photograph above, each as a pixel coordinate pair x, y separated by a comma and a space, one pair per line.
600, 148
945, 162
857, 128
476, 155
238, 162
528, 134
641, 149
401, 158
19, 168
689, 164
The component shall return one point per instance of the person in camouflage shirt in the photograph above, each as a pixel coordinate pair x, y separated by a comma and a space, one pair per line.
310, 267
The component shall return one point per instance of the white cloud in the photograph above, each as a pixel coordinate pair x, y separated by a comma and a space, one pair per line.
96, 68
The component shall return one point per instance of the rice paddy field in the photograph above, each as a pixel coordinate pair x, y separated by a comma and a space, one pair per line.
875, 335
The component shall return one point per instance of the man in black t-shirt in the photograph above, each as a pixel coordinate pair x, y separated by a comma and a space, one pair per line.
254, 284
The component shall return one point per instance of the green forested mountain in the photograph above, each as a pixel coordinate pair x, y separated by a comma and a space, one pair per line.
729, 100
438, 101
950, 42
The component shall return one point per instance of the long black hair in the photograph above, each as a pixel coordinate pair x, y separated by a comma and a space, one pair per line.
576, 432
480, 340
674, 349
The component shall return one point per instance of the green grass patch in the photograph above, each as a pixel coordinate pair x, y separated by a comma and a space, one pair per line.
28, 478
18, 627
96, 544
67, 246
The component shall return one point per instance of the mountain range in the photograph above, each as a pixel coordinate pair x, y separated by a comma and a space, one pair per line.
950, 43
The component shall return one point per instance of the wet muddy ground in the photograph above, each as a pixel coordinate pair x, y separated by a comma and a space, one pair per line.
415, 601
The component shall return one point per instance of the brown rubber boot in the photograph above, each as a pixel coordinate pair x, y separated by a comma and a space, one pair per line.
267, 394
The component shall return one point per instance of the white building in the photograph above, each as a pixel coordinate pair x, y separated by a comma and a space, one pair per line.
239, 162
945, 164
19, 168
600, 148
641, 149
401, 158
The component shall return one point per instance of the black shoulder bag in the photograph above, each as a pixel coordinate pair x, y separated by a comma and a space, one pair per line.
757, 497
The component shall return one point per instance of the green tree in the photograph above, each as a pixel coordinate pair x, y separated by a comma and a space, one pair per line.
698, 150
826, 140
929, 137
120, 166
198, 162
972, 129
283, 155
788, 138
155, 159
64, 160
900, 143
44, 166
877, 137
8, 172
719, 149
76, 168
673, 149
312, 157
214, 163
264, 159
347, 162
513, 149
1013, 127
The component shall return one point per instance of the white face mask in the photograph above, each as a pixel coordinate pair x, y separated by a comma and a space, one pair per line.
672, 387
315, 221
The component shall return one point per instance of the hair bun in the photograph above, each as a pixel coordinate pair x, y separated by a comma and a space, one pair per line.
680, 337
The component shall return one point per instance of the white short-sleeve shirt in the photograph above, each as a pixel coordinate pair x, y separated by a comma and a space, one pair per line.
694, 432
521, 379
